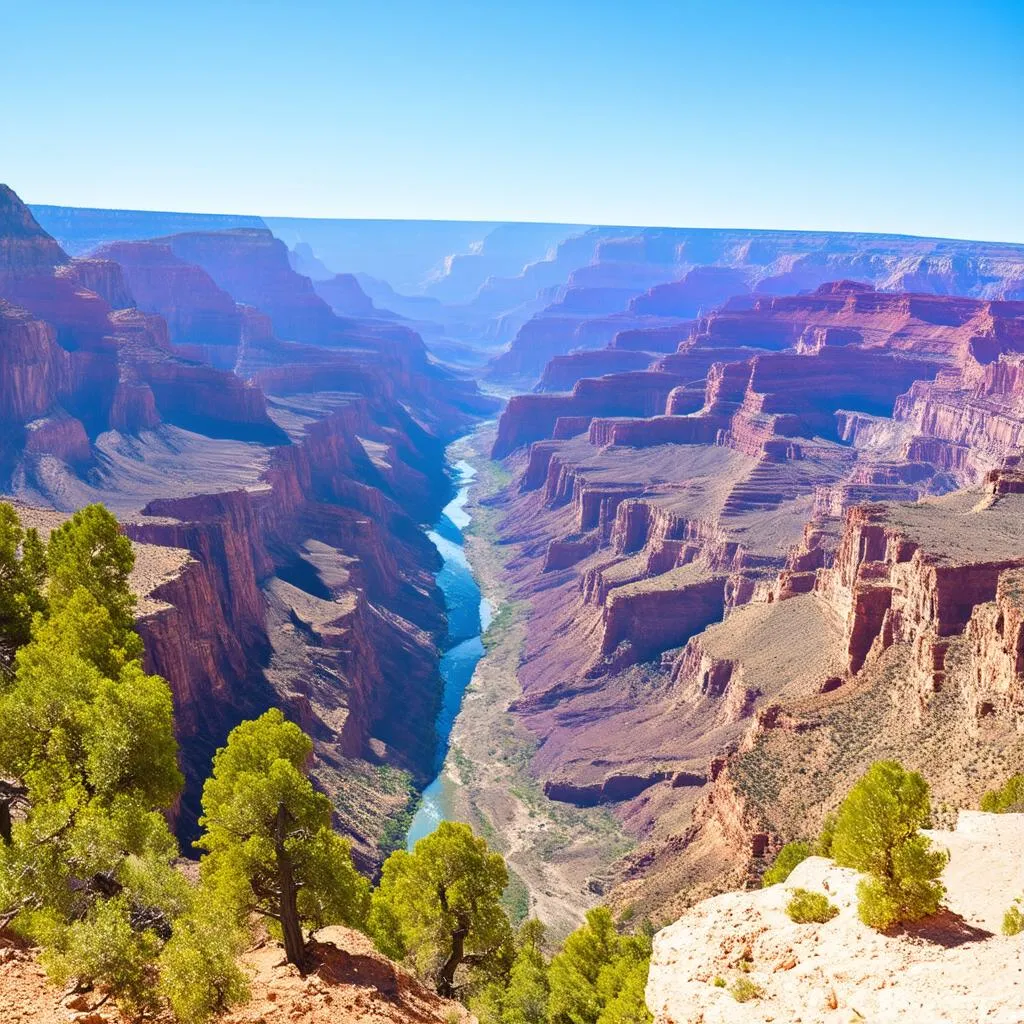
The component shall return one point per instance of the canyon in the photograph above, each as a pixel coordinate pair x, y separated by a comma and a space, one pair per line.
285, 460
779, 552
747, 512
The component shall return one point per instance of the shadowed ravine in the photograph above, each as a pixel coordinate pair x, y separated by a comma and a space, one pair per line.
468, 616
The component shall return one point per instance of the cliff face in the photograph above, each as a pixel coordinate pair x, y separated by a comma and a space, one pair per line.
303, 578
716, 545
313, 591
199, 315
81, 359
648, 280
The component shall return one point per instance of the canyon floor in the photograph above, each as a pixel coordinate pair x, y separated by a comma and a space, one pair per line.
558, 853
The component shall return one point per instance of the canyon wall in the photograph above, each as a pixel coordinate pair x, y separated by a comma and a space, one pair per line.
287, 457
818, 499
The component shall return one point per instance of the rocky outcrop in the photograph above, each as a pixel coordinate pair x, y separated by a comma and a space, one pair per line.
344, 294
202, 320
903, 575
532, 417
36, 371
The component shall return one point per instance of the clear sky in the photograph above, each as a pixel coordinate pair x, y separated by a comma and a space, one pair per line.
902, 116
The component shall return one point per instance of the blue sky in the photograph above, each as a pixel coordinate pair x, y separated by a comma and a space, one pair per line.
901, 117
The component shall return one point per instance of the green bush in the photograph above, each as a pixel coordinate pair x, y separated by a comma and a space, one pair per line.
806, 907
1008, 798
1013, 919
785, 860
823, 847
877, 832
743, 990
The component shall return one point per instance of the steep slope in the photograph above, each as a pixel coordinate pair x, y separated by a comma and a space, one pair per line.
697, 557
302, 575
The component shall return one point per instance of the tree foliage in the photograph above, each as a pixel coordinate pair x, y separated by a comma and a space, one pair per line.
89, 552
1008, 798
439, 908
785, 860
599, 975
89, 760
522, 998
271, 849
877, 832
22, 577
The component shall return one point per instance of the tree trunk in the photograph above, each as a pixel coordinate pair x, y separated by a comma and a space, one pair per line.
5, 822
446, 976
294, 946
10, 794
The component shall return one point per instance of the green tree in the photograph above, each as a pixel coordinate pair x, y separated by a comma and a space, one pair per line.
785, 860
268, 834
199, 975
87, 871
87, 745
439, 908
522, 998
1009, 797
599, 975
628, 1005
89, 552
22, 577
877, 832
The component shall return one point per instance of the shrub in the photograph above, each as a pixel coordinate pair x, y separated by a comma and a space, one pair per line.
785, 860
1013, 919
877, 832
719, 982
1008, 798
743, 990
823, 847
806, 907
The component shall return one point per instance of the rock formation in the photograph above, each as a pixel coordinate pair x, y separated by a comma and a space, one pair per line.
715, 545
955, 967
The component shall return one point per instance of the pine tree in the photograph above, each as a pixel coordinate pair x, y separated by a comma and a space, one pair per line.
877, 832
268, 834
440, 908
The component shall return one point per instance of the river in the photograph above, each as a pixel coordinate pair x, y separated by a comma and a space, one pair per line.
469, 614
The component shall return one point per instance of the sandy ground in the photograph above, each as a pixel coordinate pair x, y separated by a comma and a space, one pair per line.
352, 982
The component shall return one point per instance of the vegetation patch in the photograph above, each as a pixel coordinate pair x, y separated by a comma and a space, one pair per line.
806, 907
786, 859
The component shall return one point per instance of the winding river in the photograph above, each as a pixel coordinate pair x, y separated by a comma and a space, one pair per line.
469, 614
